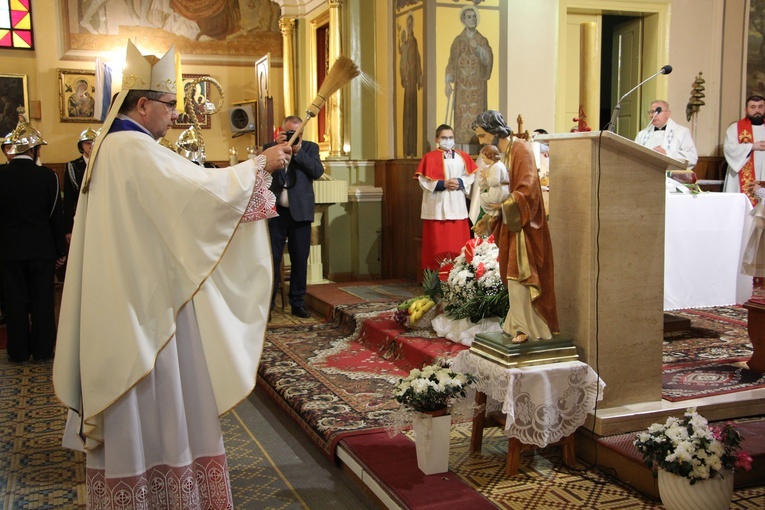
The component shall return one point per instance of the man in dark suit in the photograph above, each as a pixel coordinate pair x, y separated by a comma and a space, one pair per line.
73, 178
293, 187
31, 246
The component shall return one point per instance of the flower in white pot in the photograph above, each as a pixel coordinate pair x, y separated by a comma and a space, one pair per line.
431, 389
689, 450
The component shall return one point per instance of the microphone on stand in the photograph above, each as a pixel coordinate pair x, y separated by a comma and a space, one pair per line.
612, 124
655, 113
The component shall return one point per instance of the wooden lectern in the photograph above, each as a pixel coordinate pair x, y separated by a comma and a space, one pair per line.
607, 198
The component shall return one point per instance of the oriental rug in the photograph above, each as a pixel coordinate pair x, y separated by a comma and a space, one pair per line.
336, 378
686, 382
716, 334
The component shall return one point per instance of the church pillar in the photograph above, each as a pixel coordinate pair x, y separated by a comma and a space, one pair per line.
335, 102
287, 27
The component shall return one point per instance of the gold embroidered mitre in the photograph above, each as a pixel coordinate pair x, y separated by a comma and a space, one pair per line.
150, 73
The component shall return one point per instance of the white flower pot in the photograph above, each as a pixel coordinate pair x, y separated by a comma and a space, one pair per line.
432, 440
677, 493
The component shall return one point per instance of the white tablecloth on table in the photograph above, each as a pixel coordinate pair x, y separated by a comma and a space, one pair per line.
543, 403
705, 235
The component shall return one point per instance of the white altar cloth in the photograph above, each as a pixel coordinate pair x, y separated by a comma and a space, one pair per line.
543, 403
705, 235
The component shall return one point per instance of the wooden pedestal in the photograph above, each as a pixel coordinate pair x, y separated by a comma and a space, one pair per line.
514, 446
756, 328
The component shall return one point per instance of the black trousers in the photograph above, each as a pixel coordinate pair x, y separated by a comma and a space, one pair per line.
29, 295
298, 233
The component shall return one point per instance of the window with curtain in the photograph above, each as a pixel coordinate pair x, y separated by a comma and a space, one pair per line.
16, 24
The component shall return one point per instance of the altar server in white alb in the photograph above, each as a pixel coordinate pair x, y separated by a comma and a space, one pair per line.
165, 304
745, 148
445, 176
666, 136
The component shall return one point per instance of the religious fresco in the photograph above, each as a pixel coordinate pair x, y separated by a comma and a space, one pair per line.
755, 61
226, 28
471, 61
462, 80
410, 73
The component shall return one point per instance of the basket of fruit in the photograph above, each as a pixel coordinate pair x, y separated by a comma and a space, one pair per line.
418, 312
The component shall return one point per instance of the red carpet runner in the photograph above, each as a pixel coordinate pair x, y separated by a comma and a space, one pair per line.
392, 461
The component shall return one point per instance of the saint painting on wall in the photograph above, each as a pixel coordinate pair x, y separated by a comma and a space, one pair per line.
471, 61
410, 69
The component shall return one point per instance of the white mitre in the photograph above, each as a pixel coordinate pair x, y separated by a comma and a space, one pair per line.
141, 72
150, 73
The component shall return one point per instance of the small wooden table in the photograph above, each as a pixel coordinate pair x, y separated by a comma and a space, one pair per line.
537, 406
756, 328
514, 446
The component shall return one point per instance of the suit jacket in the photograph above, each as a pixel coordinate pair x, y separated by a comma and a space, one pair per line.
31, 221
73, 174
304, 168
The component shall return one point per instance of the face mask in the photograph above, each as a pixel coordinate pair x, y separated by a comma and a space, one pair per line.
446, 144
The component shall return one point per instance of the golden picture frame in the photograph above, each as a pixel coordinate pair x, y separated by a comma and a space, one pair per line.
76, 92
13, 93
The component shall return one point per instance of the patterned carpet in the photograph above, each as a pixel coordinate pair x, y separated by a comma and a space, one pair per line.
716, 334
337, 378
544, 482
37, 473
708, 359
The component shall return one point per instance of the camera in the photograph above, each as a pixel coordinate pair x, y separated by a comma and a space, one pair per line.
289, 135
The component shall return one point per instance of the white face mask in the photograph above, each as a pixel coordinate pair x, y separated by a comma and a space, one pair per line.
446, 144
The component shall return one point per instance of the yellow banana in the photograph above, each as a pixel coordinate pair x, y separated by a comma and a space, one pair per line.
416, 316
416, 305
427, 306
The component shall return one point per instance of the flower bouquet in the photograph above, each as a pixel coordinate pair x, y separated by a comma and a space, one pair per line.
689, 447
431, 389
427, 397
471, 283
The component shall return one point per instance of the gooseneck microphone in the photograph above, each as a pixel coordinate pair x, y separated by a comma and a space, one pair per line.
612, 124
657, 111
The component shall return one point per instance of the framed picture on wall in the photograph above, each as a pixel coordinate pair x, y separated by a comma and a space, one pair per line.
75, 95
200, 92
13, 93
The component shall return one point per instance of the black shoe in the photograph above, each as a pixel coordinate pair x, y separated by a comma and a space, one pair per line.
301, 311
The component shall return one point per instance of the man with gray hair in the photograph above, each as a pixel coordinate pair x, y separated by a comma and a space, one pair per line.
666, 136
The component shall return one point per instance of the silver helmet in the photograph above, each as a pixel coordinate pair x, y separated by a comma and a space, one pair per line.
23, 138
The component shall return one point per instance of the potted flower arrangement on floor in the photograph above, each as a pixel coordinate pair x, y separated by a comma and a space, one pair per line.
693, 461
426, 396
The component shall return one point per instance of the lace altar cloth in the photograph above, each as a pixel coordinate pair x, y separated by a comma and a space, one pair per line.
543, 403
